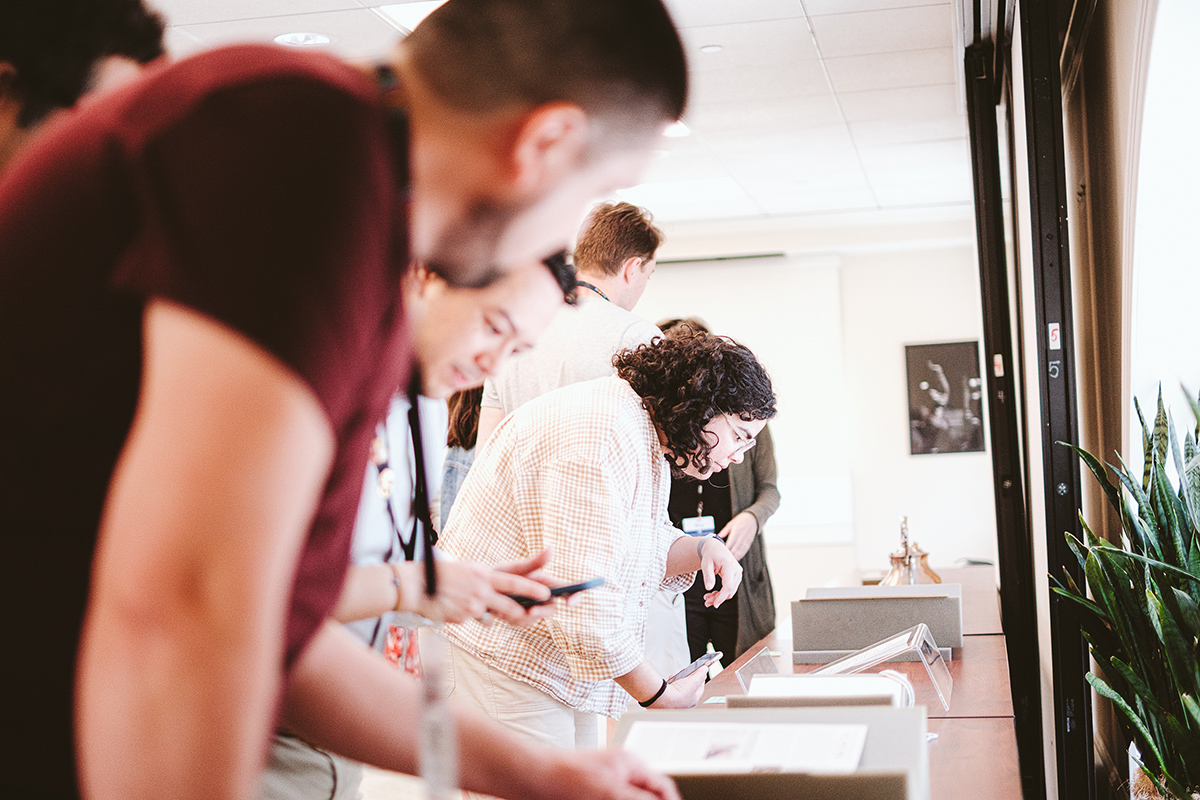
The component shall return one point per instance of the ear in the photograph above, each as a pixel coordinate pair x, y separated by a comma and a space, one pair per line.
8, 76
631, 267
551, 141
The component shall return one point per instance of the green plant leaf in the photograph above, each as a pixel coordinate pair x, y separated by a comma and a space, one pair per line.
1146, 449
1077, 547
1138, 685
1145, 741
1154, 563
1174, 524
1195, 404
1188, 498
1100, 471
1180, 657
1159, 437
1094, 623
1187, 753
1109, 579
1189, 612
1148, 530
1193, 711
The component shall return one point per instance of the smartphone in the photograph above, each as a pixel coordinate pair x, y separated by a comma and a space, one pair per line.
558, 591
700, 663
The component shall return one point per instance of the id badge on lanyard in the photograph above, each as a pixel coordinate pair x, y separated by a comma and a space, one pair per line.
699, 526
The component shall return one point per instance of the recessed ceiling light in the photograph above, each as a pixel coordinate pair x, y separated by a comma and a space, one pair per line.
303, 39
711, 48
677, 129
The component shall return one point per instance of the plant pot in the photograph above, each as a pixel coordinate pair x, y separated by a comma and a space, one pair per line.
1140, 785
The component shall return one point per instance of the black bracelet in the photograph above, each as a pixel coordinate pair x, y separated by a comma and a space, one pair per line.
658, 694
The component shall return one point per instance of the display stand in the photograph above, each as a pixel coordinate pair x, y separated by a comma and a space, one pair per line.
914, 644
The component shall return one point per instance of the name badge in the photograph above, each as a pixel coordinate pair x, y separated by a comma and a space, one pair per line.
699, 526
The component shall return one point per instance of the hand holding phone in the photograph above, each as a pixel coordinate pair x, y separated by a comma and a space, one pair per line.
701, 662
558, 591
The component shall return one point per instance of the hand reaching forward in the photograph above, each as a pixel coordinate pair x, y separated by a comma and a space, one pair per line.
739, 532
469, 590
604, 775
715, 559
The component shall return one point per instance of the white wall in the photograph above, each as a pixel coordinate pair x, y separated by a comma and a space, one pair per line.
832, 331
1166, 279
890, 300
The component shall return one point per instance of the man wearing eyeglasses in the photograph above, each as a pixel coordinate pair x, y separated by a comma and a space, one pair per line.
201, 325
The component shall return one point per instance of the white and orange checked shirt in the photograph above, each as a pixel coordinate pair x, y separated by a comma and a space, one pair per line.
579, 469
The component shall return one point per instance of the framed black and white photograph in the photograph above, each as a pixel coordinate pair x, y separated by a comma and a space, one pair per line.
944, 398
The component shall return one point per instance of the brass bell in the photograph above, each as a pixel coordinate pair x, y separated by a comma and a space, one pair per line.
910, 564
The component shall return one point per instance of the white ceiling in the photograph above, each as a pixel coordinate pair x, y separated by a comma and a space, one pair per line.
811, 108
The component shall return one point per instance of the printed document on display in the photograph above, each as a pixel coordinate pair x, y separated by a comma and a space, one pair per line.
696, 748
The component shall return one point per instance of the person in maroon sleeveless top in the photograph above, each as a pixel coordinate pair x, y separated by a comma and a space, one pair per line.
199, 327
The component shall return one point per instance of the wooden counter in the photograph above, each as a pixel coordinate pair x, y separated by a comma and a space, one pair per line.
975, 754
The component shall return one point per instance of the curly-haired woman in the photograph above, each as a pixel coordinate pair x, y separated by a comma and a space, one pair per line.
586, 470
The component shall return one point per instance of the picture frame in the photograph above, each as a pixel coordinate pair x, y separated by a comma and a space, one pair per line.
945, 398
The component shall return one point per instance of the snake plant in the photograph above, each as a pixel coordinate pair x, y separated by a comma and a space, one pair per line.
1142, 619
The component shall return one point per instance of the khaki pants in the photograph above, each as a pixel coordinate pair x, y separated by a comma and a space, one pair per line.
299, 771
516, 705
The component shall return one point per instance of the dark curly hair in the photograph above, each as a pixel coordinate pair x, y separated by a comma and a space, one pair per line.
54, 45
687, 379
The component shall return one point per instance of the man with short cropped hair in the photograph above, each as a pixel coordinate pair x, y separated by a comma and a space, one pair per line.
200, 326
614, 259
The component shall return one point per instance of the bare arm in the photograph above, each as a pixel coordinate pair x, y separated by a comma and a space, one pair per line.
343, 697
489, 418
717, 560
203, 523
465, 591
643, 681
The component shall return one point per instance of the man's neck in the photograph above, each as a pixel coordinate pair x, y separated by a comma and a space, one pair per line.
607, 286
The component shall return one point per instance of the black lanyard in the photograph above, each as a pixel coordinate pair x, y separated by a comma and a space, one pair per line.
421, 516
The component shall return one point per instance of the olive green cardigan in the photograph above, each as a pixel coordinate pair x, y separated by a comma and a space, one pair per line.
752, 488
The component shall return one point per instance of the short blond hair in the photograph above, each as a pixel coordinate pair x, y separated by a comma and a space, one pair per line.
613, 233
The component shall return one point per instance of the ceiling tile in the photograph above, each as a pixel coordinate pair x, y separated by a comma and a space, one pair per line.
760, 83
779, 198
916, 103
674, 165
691, 13
357, 34
710, 198
795, 165
893, 70
922, 173
192, 12
825, 138
749, 44
180, 44
904, 132
743, 116
919, 28
929, 193
949, 157
816, 8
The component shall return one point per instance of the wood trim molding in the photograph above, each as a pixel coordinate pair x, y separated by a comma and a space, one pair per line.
1144, 36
